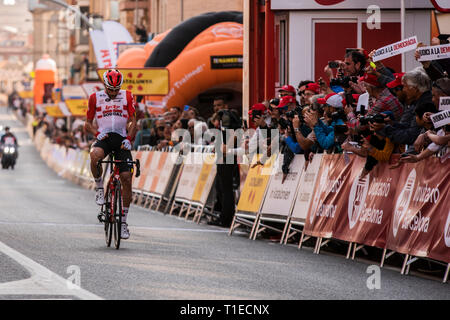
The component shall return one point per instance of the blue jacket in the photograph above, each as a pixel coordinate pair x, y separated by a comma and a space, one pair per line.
325, 133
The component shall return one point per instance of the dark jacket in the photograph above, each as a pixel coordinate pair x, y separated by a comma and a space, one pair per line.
406, 130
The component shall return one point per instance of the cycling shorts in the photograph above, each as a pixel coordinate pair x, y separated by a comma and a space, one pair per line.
112, 144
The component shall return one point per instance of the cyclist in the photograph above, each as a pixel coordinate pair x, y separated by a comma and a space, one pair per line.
8, 138
115, 114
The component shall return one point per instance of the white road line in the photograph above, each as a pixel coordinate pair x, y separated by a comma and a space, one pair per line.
42, 280
52, 224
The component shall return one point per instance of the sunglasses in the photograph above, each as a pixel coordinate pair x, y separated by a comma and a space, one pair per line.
113, 90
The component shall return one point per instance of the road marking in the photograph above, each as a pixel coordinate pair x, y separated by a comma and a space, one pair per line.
52, 224
42, 280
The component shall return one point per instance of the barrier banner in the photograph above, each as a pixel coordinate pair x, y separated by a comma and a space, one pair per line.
189, 176
165, 174
206, 179
255, 185
142, 156
418, 207
334, 173
366, 206
145, 170
150, 177
440, 249
307, 182
281, 194
162, 157
396, 48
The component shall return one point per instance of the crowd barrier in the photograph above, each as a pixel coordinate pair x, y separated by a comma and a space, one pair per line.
403, 210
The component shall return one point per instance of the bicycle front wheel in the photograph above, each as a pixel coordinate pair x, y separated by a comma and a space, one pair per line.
108, 215
117, 214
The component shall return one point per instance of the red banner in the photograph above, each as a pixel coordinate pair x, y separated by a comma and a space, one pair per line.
404, 209
334, 173
366, 207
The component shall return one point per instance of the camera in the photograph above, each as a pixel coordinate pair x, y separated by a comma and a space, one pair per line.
229, 119
376, 118
340, 114
297, 111
333, 64
275, 101
344, 81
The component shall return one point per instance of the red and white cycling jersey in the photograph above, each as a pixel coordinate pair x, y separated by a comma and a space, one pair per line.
111, 115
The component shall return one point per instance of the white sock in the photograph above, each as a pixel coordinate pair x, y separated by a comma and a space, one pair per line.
99, 183
125, 214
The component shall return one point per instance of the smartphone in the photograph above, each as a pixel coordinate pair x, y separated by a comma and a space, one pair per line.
333, 64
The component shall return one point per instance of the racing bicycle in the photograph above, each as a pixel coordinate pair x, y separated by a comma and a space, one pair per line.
111, 210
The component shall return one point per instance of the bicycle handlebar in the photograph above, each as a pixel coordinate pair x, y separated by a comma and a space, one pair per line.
136, 162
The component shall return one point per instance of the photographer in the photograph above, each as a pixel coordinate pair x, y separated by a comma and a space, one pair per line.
374, 147
324, 130
384, 99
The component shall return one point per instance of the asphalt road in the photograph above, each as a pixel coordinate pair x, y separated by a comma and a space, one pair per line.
50, 239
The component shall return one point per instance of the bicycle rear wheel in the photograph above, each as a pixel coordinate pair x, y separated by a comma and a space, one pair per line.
108, 215
117, 214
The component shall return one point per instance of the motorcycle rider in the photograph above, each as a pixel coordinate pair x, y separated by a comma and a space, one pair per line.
8, 138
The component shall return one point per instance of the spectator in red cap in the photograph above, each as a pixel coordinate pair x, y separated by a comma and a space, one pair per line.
396, 87
384, 99
287, 90
301, 90
311, 89
287, 103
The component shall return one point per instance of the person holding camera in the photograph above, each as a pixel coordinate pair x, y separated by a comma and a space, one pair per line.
372, 146
384, 99
324, 130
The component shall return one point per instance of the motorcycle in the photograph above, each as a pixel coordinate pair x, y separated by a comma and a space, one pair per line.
9, 155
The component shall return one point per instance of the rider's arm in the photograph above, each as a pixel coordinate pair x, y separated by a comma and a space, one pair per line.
131, 123
88, 125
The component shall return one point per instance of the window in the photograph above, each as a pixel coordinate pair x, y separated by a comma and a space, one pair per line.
281, 50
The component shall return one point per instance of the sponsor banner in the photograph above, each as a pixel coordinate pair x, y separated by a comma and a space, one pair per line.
334, 173
419, 204
366, 207
92, 87
156, 173
255, 185
227, 62
150, 177
395, 49
441, 118
444, 103
77, 107
101, 49
434, 52
306, 187
143, 81
206, 179
114, 34
53, 110
164, 175
26, 94
73, 92
440, 250
189, 176
281, 194
145, 170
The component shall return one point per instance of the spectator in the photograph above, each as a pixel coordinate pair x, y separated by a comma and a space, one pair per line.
384, 99
396, 87
416, 86
440, 88
143, 136
157, 132
287, 103
175, 114
301, 91
311, 89
324, 129
287, 90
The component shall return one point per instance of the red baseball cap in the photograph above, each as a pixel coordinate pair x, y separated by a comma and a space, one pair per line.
258, 106
333, 99
288, 88
370, 79
397, 81
285, 101
313, 87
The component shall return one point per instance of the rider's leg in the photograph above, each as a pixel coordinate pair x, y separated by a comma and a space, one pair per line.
97, 154
125, 179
